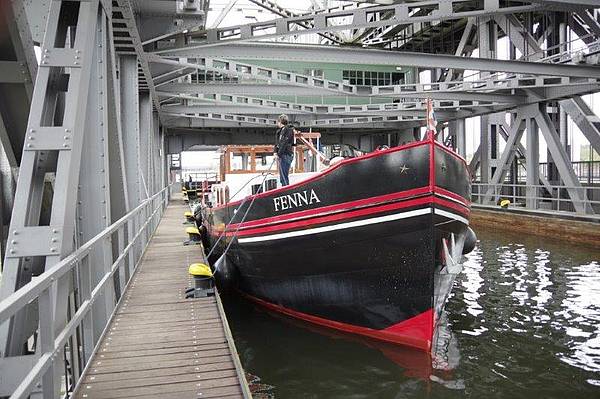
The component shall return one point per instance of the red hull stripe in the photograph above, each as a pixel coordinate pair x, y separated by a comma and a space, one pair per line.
348, 215
331, 169
416, 332
343, 206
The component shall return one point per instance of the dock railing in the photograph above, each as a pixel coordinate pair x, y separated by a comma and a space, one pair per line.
63, 351
539, 197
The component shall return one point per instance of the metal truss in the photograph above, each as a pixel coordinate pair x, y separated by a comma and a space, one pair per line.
449, 95
276, 9
128, 42
585, 119
523, 119
288, 83
332, 20
244, 104
55, 137
73, 182
18, 69
316, 53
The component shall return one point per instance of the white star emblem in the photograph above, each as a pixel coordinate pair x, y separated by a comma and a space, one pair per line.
403, 169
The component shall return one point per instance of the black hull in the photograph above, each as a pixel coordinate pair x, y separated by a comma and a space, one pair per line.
365, 254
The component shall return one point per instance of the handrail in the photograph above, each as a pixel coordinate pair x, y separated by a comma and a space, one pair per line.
31, 290
591, 200
41, 286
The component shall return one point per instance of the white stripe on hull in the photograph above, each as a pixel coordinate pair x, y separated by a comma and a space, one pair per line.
356, 223
451, 199
451, 215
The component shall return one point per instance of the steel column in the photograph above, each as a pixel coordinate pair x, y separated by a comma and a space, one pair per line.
533, 163
130, 127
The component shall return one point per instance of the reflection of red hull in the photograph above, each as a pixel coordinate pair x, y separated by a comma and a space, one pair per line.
415, 332
415, 362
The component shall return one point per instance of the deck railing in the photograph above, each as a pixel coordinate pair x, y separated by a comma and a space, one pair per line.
539, 197
63, 351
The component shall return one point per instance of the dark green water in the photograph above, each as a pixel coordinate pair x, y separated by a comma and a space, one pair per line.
523, 322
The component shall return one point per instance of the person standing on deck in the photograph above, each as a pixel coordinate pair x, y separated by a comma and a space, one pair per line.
283, 148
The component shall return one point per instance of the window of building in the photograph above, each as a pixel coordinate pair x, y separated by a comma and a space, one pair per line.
369, 78
315, 73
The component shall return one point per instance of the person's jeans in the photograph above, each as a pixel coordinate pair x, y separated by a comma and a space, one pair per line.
285, 161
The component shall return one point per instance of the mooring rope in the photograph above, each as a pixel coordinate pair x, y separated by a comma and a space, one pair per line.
234, 236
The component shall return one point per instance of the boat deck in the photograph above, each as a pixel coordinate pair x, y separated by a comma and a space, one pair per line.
159, 344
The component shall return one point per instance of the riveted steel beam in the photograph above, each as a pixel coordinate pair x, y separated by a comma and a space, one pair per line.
343, 55
332, 20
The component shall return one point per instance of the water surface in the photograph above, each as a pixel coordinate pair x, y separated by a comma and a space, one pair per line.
523, 321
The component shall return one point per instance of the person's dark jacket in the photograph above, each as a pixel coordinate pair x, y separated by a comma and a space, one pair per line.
285, 141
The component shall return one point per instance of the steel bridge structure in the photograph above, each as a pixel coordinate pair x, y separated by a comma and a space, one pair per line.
97, 95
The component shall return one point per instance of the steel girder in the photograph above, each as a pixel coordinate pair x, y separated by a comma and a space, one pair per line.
245, 93
532, 96
585, 119
514, 137
130, 127
532, 117
561, 160
533, 161
344, 55
62, 118
332, 20
18, 69
131, 44
275, 78
276, 9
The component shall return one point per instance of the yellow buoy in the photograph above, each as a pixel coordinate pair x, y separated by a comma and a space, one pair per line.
200, 269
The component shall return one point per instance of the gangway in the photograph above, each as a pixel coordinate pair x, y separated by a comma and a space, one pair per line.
157, 343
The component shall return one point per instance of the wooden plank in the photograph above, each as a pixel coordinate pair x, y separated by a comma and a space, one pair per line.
162, 351
159, 372
160, 380
208, 389
122, 367
106, 347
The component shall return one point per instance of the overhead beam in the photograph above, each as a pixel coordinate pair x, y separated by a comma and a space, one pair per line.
248, 90
356, 18
282, 12
343, 55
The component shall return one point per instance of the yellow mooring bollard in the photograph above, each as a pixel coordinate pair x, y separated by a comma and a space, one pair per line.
194, 235
189, 217
203, 281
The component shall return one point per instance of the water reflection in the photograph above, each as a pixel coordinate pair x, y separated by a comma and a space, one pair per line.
523, 321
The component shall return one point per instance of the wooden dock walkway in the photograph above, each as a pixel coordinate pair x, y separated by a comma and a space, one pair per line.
159, 344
